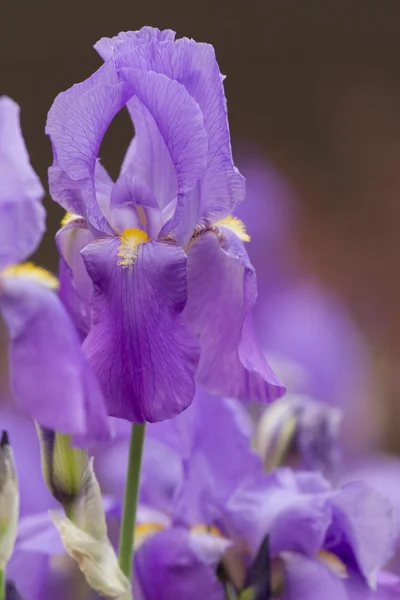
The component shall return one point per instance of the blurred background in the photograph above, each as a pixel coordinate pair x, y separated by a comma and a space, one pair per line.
314, 93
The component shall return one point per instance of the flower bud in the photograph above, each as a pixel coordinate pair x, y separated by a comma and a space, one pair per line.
63, 466
84, 536
299, 431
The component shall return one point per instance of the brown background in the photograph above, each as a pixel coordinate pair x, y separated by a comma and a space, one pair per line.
316, 85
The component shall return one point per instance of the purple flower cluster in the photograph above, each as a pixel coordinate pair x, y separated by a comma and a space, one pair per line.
151, 320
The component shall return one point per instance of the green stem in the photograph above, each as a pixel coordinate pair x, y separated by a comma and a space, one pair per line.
127, 533
2, 584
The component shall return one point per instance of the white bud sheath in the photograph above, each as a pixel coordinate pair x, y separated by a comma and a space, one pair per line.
9, 501
85, 540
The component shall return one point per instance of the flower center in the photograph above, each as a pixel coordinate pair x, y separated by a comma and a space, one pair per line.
128, 248
30, 271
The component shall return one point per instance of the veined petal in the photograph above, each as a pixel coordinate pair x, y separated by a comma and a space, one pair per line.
48, 372
168, 567
179, 121
221, 294
194, 66
140, 345
22, 216
76, 124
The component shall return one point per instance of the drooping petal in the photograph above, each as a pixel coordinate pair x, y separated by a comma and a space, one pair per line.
221, 295
167, 567
76, 124
367, 524
22, 216
75, 284
140, 345
49, 375
309, 579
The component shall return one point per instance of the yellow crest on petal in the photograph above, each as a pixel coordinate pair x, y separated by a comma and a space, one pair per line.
68, 218
30, 271
199, 528
130, 242
235, 225
333, 563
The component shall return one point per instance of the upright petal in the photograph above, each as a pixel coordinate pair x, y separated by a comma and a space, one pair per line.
180, 122
194, 66
168, 567
140, 345
76, 124
49, 374
22, 215
221, 294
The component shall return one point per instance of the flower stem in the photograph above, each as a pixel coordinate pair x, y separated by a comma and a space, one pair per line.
127, 533
2, 584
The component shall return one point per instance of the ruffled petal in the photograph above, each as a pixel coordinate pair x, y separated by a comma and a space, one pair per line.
22, 216
140, 345
76, 124
221, 294
180, 122
168, 567
194, 66
128, 40
48, 372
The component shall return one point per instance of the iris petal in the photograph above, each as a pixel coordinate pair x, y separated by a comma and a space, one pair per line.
140, 345
222, 292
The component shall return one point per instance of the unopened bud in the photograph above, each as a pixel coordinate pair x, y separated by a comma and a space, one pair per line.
299, 431
84, 536
9, 501
63, 466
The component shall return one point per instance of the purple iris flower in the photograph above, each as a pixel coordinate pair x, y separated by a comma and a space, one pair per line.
205, 503
166, 288
41, 363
